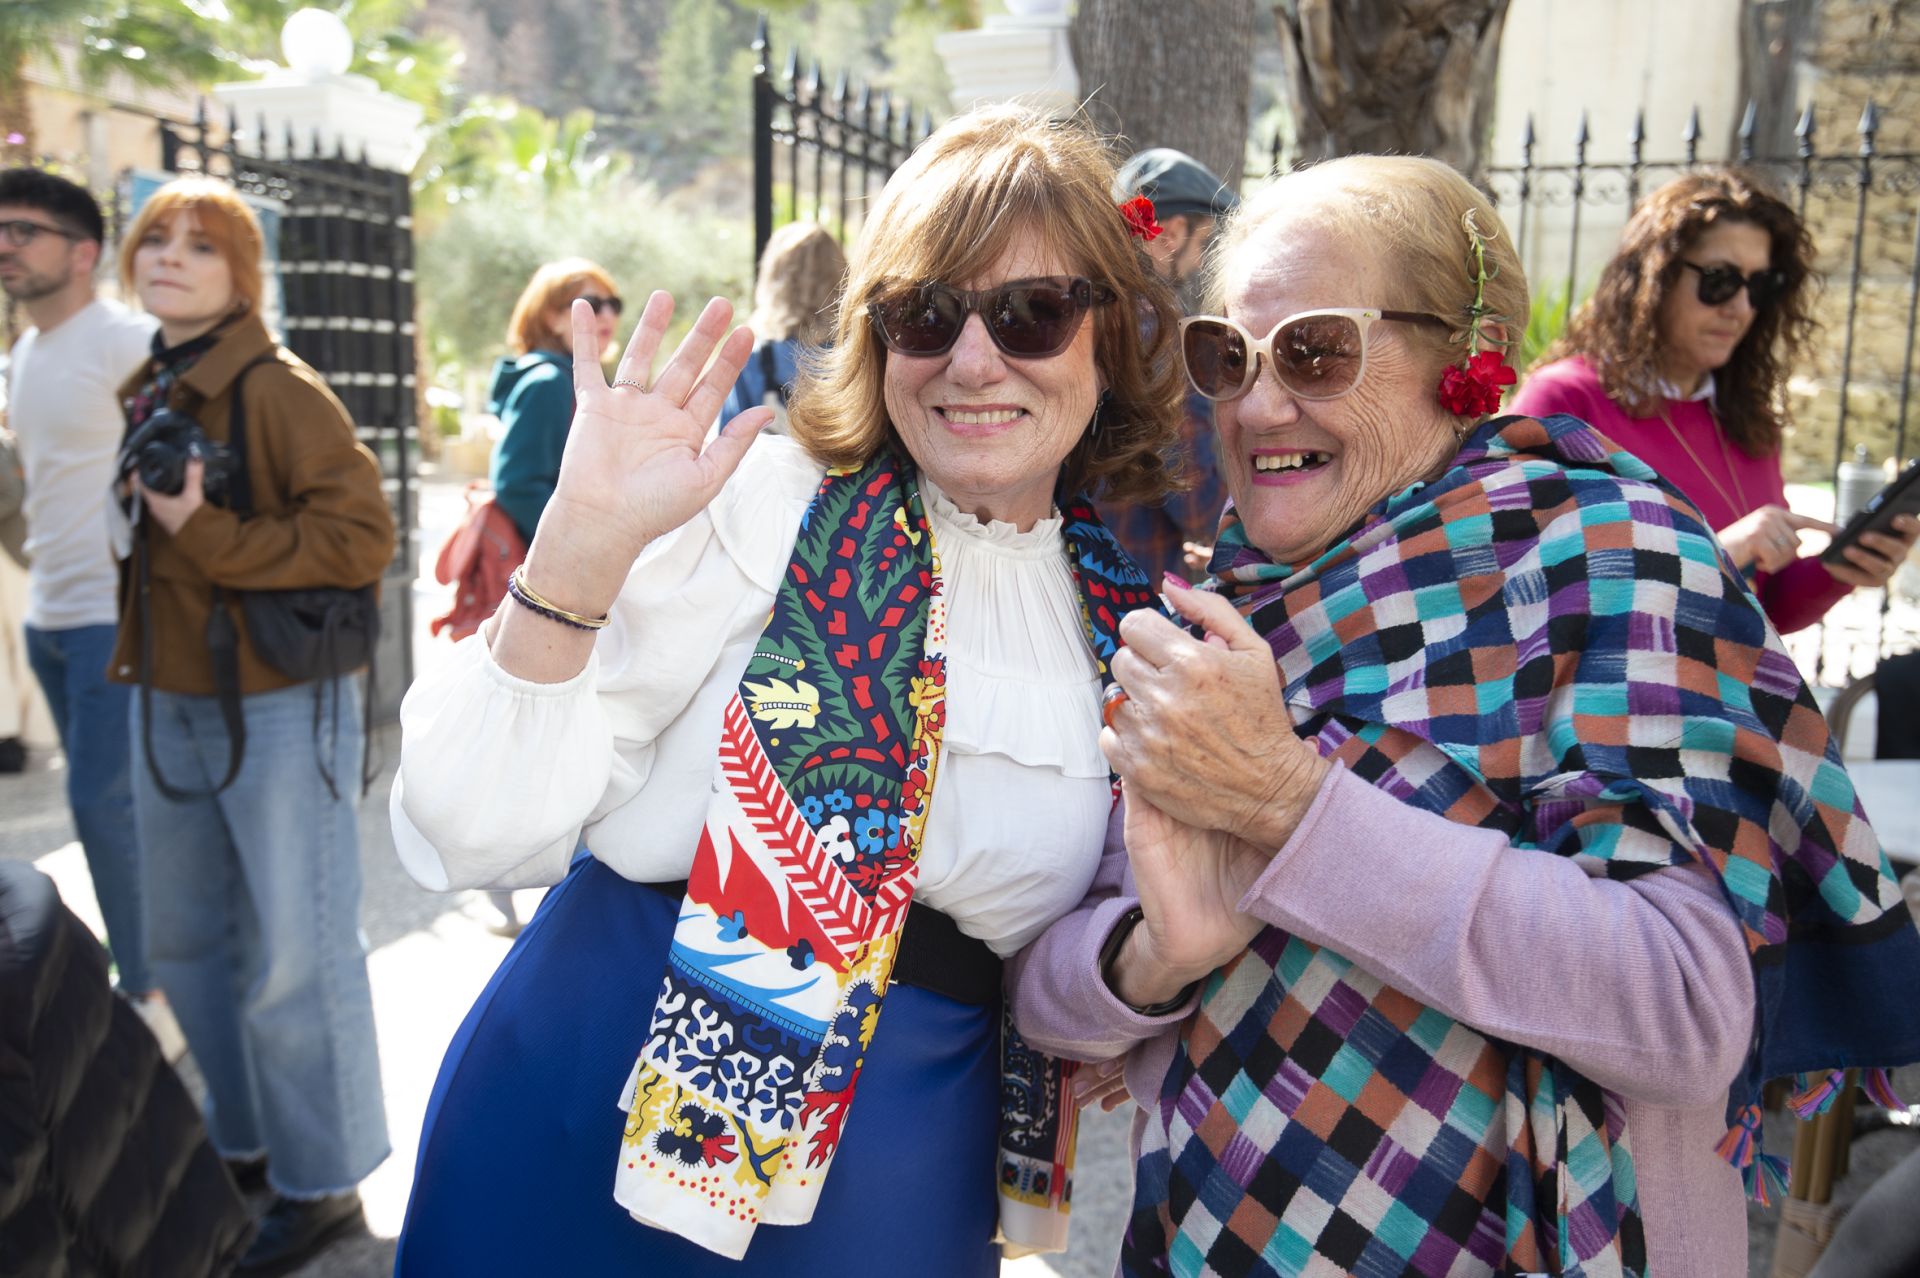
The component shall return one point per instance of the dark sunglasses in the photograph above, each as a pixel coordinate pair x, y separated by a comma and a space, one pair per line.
21, 232
1027, 319
1718, 284
612, 305
1315, 354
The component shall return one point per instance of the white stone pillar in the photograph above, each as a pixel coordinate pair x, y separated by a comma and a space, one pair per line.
1021, 55
313, 96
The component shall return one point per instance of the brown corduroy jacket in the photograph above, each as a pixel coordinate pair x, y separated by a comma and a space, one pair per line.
320, 517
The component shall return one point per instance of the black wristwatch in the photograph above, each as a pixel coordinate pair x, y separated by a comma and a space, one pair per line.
1110, 950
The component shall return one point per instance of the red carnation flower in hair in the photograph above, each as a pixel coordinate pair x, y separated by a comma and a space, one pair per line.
1472, 387
1141, 223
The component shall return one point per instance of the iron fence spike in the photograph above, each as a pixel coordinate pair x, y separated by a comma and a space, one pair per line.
760, 33
1581, 138
793, 64
1870, 119
1639, 133
1526, 134
1749, 119
1804, 128
840, 88
1691, 133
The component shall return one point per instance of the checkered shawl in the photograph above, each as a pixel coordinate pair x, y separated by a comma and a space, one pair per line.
1547, 641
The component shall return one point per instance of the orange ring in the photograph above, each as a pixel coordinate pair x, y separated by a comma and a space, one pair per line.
1110, 702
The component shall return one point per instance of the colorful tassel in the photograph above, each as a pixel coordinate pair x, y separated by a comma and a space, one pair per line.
1817, 1098
1878, 1086
1766, 1177
1742, 1139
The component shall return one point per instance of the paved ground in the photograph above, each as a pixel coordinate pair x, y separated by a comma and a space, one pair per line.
430, 954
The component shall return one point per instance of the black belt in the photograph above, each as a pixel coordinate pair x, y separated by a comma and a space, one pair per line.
935, 955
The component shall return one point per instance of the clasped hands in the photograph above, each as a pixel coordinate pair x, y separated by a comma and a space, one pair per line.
1215, 781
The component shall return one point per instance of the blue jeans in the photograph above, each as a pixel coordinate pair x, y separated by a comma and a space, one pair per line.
254, 922
91, 715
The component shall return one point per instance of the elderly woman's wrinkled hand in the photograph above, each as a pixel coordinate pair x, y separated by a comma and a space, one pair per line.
1191, 882
1204, 734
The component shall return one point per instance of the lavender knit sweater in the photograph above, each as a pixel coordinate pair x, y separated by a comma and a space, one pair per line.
1642, 986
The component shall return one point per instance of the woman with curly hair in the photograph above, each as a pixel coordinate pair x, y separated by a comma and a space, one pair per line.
825, 714
1681, 356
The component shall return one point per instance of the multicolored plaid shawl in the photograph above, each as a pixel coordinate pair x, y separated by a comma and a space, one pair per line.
792, 918
1547, 641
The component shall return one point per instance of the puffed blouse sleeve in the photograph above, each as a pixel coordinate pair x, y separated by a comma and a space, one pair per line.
499, 776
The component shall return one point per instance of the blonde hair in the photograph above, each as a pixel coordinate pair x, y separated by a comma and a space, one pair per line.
551, 289
1409, 209
799, 280
224, 219
948, 214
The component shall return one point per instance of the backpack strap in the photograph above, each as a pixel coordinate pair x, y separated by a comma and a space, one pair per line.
769, 374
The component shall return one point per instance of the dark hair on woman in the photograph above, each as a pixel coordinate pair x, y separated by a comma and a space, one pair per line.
1617, 330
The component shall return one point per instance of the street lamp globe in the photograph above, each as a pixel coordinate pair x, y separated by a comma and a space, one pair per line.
315, 42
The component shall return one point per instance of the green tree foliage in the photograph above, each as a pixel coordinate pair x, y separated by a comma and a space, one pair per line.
476, 262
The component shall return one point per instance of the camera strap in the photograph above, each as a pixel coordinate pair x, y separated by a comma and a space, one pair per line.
223, 644
240, 501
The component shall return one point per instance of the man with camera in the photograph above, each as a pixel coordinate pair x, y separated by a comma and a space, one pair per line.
64, 408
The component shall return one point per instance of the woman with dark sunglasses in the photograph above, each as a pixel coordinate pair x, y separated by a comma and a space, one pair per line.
1454, 810
825, 715
1681, 357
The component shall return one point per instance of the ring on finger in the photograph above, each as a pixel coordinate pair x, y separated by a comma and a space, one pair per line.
628, 381
1110, 702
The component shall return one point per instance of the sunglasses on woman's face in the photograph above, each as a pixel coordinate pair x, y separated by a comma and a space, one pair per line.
1718, 284
1315, 354
611, 305
1027, 319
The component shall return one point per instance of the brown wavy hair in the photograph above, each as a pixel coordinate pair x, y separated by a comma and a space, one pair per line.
948, 214
1617, 330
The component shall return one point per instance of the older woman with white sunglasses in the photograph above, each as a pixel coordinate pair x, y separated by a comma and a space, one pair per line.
1467, 816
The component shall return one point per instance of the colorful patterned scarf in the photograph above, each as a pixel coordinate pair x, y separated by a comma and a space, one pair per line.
787, 937
1547, 641
165, 367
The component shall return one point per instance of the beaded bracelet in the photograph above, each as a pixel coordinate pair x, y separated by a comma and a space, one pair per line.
524, 595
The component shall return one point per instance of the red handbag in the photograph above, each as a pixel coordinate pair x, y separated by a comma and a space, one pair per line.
477, 560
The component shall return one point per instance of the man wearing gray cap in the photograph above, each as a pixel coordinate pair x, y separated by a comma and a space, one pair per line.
1187, 198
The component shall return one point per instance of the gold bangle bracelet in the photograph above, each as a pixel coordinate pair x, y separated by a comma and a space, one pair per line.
541, 604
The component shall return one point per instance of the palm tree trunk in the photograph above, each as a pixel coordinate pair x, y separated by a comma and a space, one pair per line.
1403, 76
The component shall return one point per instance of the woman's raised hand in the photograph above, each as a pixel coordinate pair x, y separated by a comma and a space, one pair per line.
638, 463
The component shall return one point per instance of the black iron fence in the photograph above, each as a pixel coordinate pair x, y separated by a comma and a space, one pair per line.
822, 150
345, 266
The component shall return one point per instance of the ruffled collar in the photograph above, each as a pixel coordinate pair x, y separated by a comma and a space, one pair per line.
949, 521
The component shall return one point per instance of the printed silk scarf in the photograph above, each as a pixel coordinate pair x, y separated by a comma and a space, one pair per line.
786, 939
1546, 641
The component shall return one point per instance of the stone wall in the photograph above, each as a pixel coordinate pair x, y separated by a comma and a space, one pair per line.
1860, 51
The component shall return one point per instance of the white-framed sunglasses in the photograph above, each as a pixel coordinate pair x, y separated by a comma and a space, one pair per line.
1315, 354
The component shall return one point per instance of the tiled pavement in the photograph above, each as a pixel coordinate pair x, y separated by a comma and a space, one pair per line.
430, 954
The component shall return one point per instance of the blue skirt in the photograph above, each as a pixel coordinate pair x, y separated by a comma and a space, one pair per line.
517, 1154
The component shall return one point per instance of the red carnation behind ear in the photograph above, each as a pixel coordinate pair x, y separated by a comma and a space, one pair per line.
1472, 387
1139, 215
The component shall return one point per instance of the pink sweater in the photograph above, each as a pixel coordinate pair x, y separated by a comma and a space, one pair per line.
1643, 986
1796, 596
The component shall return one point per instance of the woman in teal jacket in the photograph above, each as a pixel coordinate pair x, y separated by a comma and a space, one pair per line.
532, 391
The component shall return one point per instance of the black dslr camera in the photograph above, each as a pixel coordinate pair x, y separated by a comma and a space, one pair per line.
161, 448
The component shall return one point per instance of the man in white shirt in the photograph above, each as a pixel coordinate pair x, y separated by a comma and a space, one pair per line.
64, 407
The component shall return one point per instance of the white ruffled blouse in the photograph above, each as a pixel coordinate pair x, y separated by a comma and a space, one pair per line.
500, 779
